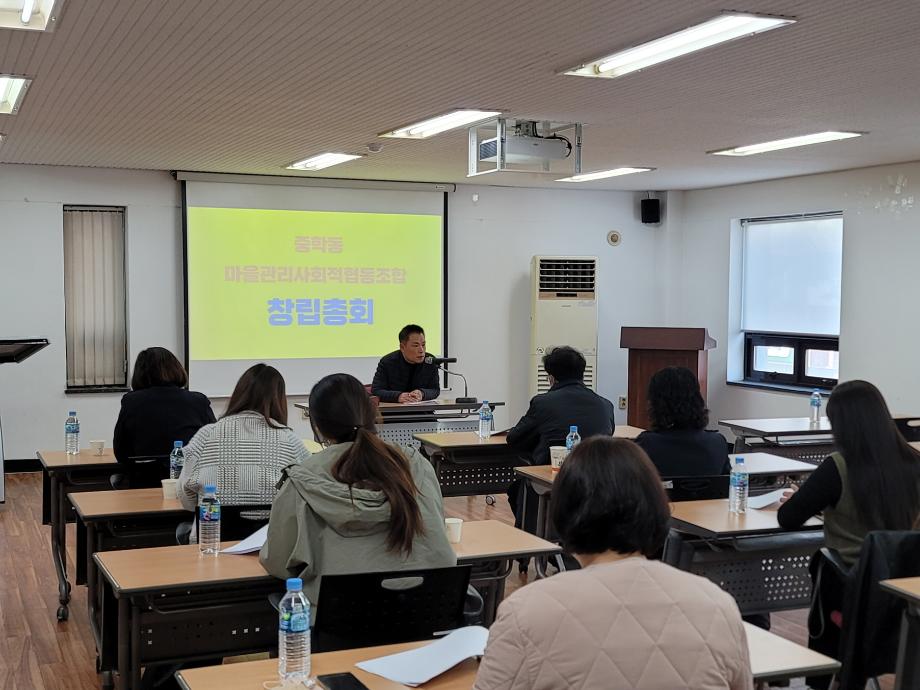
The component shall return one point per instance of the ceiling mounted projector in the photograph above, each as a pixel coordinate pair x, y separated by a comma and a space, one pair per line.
523, 148
507, 144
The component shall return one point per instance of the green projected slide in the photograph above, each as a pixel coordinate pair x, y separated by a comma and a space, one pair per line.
269, 284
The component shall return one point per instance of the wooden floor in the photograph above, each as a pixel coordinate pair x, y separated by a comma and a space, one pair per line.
38, 653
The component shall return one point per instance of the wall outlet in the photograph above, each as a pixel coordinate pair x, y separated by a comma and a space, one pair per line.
621, 402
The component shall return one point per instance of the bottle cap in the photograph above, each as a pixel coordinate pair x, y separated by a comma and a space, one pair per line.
485, 402
573, 428
294, 584
739, 460
72, 413
210, 488
177, 444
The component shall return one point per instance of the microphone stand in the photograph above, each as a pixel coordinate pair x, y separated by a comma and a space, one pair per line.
465, 398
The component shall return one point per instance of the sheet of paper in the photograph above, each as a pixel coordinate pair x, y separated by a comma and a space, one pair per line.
420, 665
251, 543
760, 502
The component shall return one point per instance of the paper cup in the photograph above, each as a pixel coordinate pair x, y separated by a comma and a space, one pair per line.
557, 456
454, 528
97, 446
169, 488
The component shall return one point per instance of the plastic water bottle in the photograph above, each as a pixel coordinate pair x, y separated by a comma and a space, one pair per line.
738, 489
209, 522
815, 404
485, 420
72, 434
572, 440
176, 460
294, 635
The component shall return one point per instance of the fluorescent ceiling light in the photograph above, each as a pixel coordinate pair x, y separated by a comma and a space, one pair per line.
323, 160
601, 174
34, 15
12, 90
726, 27
792, 142
441, 123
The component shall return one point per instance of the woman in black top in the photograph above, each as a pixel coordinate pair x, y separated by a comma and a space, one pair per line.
157, 412
678, 442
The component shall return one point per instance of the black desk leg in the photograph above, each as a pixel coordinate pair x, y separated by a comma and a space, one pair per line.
134, 666
59, 544
80, 558
908, 673
124, 645
541, 529
46, 497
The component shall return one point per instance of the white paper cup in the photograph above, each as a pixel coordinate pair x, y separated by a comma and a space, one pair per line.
97, 446
454, 527
557, 456
169, 488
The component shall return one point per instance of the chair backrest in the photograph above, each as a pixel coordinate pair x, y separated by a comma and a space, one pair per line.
909, 427
696, 488
234, 526
872, 616
145, 471
368, 609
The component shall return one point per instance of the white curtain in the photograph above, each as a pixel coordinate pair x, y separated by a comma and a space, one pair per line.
94, 296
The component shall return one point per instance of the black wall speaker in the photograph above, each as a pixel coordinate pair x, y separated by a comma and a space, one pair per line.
650, 210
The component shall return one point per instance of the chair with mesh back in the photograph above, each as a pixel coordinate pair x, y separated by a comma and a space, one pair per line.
696, 488
368, 609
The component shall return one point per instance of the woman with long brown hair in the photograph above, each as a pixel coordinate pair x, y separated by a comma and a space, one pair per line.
244, 452
359, 505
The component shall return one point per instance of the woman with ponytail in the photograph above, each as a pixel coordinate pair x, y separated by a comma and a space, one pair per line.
359, 505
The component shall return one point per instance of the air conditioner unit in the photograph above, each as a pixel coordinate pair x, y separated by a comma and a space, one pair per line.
563, 312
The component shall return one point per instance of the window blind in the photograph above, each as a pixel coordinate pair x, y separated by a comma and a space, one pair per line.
791, 275
94, 296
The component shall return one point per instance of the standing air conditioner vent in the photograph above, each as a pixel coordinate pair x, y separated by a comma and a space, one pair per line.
573, 277
543, 378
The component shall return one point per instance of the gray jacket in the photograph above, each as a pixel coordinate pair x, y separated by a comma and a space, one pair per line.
319, 526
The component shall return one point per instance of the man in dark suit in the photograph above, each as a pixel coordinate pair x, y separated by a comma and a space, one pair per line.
403, 376
568, 402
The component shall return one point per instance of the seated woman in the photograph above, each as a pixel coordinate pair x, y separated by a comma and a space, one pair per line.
871, 482
678, 443
157, 412
359, 505
244, 452
622, 620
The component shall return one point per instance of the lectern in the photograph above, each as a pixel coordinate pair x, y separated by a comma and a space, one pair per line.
15, 351
653, 349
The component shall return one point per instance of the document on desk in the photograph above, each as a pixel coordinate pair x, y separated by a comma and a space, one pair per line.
760, 502
420, 665
251, 543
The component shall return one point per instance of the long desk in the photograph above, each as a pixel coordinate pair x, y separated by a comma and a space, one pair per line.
400, 422
795, 437
908, 668
166, 598
115, 520
772, 659
764, 567
62, 475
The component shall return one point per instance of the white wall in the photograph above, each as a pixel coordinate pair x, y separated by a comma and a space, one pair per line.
880, 329
33, 404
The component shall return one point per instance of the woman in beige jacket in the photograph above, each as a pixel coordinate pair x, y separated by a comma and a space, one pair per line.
622, 621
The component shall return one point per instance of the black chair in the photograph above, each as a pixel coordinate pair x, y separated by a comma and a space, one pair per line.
696, 488
870, 623
369, 609
233, 525
141, 472
909, 427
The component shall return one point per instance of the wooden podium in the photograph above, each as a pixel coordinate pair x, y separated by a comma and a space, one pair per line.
653, 349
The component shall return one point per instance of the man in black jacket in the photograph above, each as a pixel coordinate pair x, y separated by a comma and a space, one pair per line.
402, 376
568, 402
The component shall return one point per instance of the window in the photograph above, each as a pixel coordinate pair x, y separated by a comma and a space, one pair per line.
790, 300
94, 298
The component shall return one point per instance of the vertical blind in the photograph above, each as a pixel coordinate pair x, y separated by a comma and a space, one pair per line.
94, 296
791, 275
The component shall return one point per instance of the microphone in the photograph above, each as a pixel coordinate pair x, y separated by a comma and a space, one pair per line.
438, 361
465, 399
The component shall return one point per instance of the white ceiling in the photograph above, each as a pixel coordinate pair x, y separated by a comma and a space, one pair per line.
250, 86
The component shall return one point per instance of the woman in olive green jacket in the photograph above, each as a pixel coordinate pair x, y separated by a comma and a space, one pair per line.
359, 505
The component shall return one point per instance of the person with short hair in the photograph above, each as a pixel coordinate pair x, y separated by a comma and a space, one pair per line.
678, 442
360, 504
546, 423
157, 412
622, 620
403, 376
244, 452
